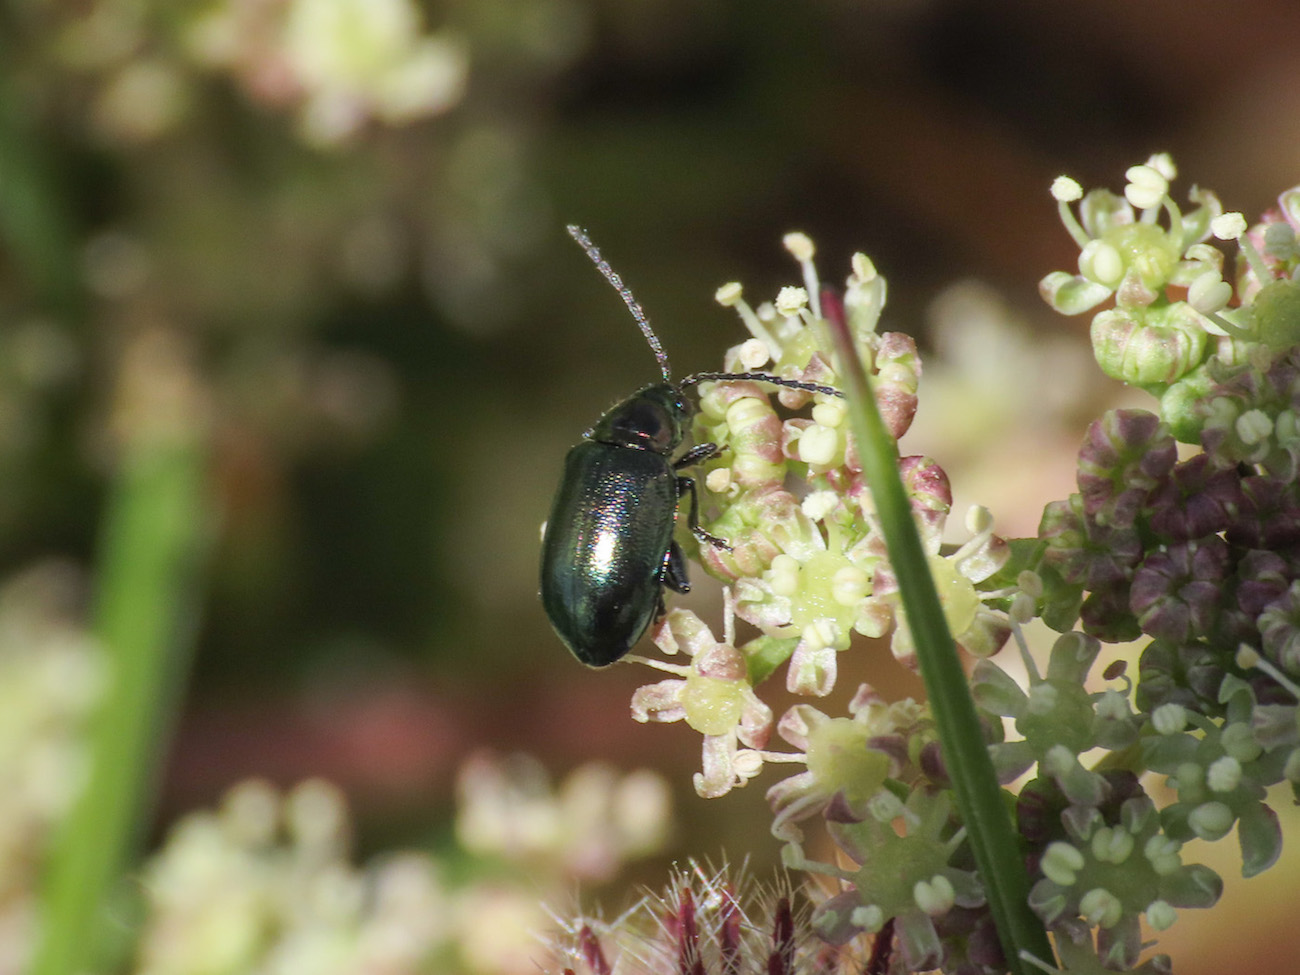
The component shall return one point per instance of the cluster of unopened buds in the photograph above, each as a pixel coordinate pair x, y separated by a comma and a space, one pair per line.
1195, 552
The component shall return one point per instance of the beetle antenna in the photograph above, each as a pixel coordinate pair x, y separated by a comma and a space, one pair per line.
602, 265
762, 377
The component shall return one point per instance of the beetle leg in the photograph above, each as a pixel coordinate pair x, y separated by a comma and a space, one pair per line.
686, 485
674, 572
696, 454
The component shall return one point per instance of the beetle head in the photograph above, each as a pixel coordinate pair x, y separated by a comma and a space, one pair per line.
653, 418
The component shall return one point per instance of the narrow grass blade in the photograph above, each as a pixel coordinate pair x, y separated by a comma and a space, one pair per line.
979, 797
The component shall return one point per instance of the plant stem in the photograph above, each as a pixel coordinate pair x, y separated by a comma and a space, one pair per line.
153, 538
979, 797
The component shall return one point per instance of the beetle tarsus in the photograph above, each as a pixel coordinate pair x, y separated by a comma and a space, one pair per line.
674, 573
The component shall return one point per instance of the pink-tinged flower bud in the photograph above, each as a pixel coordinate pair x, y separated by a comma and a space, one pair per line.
898, 370
755, 440
758, 526
930, 493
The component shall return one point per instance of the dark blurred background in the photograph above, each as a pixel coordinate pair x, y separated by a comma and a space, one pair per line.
357, 233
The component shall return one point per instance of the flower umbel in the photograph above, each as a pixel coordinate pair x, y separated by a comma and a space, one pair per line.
1191, 551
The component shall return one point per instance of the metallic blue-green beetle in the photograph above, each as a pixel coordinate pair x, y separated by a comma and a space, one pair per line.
608, 549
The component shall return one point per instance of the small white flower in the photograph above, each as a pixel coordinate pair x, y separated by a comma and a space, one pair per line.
1254, 426
753, 354
935, 896
818, 445
1066, 190
1146, 187
1209, 293
1163, 163
729, 294
799, 245
718, 480
790, 300
1102, 262
1112, 844
863, 268
1228, 226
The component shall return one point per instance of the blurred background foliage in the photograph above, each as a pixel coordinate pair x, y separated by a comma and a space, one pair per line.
345, 219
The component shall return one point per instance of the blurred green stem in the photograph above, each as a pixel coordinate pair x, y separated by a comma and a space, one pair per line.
155, 530
979, 797
34, 223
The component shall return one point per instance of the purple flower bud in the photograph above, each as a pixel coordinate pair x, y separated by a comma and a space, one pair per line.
1268, 516
1063, 528
1188, 674
1105, 615
1199, 498
1121, 943
1263, 577
1279, 630
1246, 391
1125, 455
1175, 593
932, 765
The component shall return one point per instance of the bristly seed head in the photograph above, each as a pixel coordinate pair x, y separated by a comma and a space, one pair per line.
707, 922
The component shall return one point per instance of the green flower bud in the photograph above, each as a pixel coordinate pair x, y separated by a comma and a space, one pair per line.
1161, 915
1169, 719
1112, 844
1211, 820
1061, 863
1072, 294
934, 896
1163, 854
1276, 314
1181, 405
1224, 774
1101, 908
1149, 347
